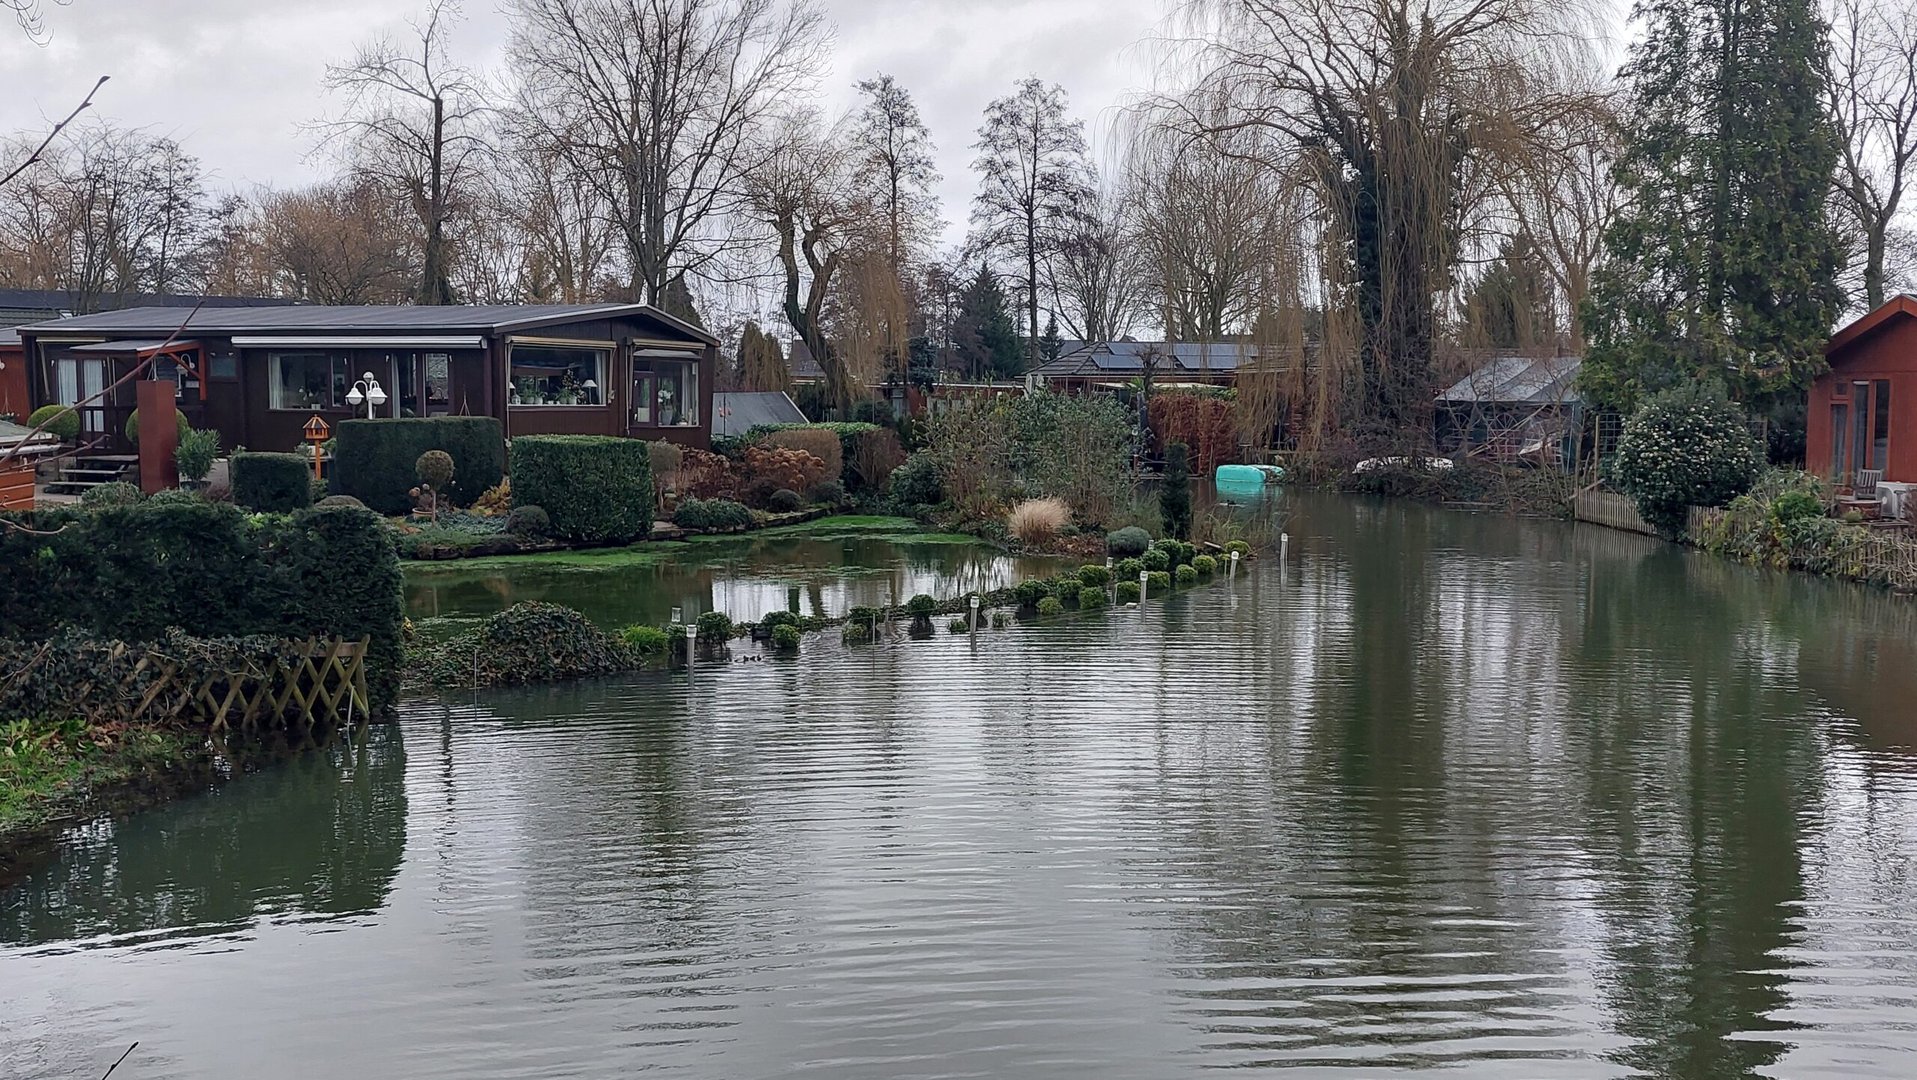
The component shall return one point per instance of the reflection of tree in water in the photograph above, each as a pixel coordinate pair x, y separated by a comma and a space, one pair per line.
321, 835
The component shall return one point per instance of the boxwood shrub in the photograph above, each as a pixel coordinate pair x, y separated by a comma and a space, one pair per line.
272, 483
373, 460
1187, 575
596, 489
1127, 592
1091, 598
1159, 581
1050, 607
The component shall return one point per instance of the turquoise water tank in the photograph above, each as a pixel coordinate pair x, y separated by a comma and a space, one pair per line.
1244, 481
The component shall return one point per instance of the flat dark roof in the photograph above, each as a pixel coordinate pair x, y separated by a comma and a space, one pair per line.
361, 319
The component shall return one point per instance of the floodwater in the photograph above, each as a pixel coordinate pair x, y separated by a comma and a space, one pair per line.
823, 573
1519, 798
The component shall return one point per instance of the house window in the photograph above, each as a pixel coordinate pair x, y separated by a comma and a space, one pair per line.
303, 381
678, 382
1860, 418
559, 375
1880, 440
223, 365
1839, 429
642, 398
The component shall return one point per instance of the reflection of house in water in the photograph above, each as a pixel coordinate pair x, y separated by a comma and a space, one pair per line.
1855, 666
1514, 408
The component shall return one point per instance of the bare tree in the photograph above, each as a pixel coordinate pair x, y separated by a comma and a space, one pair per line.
1032, 179
1873, 90
660, 105
416, 123
1096, 273
1561, 195
339, 242
894, 156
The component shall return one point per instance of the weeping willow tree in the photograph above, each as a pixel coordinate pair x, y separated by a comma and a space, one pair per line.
1381, 116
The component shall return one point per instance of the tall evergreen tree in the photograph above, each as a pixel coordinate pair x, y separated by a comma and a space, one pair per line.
1723, 263
986, 335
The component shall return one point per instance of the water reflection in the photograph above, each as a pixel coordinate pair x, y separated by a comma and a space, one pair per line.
1446, 791
745, 579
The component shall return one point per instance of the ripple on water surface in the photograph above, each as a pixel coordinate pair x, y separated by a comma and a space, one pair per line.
1509, 797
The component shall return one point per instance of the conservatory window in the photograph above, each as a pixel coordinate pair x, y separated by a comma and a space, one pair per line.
559, 375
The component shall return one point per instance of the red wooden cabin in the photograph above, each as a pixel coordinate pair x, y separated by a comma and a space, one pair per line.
1863, 411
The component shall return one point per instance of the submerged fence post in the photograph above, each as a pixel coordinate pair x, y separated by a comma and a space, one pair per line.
1284, 547
1234, 566
975, 618
692, 645
1144, 586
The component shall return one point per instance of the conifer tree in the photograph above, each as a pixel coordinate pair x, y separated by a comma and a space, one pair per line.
1723, 263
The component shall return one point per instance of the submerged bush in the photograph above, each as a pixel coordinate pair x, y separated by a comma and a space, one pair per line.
922, 606
959, 626
1127, 569
1187, 575
1127, 592
714, 626
1091, 598
1687, 446
645, 640
1160, 582
1128, 542
532, 642
1050, 608
1094, 575
1031, 591
1157, 559
785, 637
1204, 565
1239, 548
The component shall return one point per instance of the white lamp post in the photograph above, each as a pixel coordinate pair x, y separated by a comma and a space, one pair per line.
368, 390
974, 616
1144, 583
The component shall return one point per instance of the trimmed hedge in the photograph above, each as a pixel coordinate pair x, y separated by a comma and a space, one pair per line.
595, 488
131, 573
374, 460
271, 483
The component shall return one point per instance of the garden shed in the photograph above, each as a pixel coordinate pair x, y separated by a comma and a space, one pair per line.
258, 374
1513, 408
1861, 427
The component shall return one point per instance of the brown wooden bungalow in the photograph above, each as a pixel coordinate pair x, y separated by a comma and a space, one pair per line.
1861, 429
258, 374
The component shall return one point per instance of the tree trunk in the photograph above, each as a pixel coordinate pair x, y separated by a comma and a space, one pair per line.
434, 286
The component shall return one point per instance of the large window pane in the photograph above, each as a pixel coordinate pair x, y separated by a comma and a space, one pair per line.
1860, 438
642, 397
558, 375
307, 380
1880, 438
1839, 431
678, 392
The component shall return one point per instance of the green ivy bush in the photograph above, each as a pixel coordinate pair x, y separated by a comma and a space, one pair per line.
1240, 547
375, 460
1050, 608
530, 642
1127, 592
61, 421
271, 483
1796, 505
1091, 598
775, 619
1128, 542
958, 626
1687, 446
596, 489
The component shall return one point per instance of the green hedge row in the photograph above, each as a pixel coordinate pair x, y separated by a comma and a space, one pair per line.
271, 483
595, 489
373, 459
131, 573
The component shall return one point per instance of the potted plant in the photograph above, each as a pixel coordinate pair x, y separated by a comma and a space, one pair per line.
195, 455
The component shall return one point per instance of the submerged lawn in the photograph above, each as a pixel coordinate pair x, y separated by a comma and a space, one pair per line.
51, 771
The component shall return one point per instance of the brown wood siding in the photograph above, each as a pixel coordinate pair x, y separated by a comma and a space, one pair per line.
1887, 353
16, 484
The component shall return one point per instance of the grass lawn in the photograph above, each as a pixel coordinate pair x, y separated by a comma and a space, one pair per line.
51, 770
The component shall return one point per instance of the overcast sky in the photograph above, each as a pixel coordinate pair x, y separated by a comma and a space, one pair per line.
234, 80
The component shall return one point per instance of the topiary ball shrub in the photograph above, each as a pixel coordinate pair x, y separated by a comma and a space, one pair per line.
1187, 575
1031, 591
958, 626
1091, 598
1159, 581
785, 501
921, 606
60, 421
113, 493
1127, 569
648, 641
133, 426
1093, 575
714, 626
827, 493
775, 619
1204, 565
1127, 592
785, 637
1128, 542
332, 501
1687, 446
1157, 559
272, 483
1796, 506
1050, 608
529, 522
434, 467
